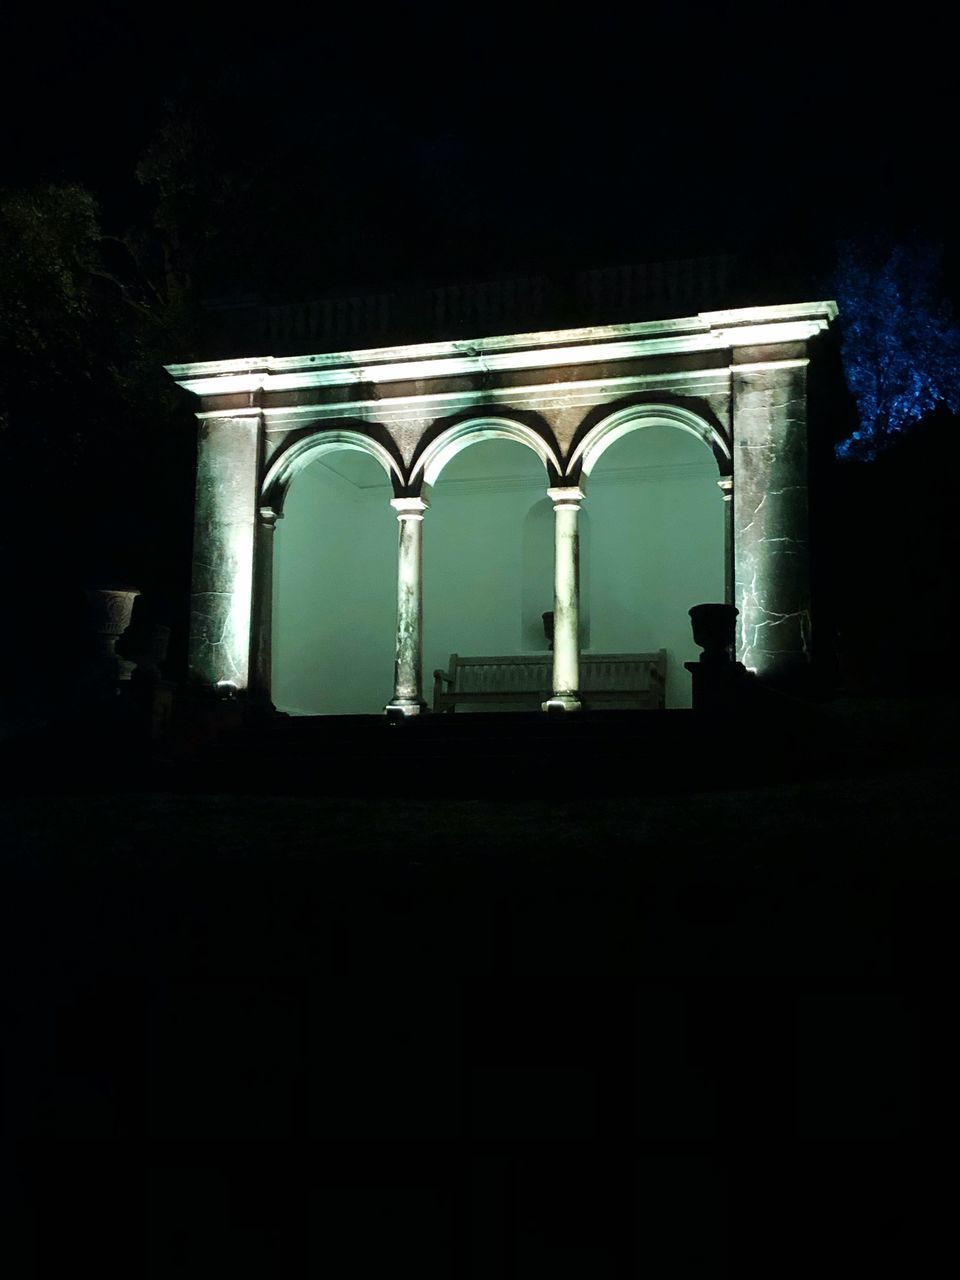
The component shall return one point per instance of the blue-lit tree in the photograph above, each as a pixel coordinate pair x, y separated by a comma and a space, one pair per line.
900, 341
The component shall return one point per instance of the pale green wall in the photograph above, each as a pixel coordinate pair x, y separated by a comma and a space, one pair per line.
652, 546
335, 591
475, 599
656, 547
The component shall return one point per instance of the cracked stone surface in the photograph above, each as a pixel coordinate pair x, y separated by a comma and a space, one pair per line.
409, 663
771, 519
224, 530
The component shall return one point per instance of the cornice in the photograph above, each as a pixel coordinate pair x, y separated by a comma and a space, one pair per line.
550, 349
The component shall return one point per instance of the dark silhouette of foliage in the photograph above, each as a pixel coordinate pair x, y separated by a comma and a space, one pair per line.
95, 442
84, 330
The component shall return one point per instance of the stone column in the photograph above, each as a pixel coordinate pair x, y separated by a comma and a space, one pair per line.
261, 676
566, 601
726, 488
223, 551
771, 542
407, 697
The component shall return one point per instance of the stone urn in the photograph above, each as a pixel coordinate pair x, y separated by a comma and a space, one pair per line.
714, 630
108, 613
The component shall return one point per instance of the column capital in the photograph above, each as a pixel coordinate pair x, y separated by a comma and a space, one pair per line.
570, 495
726, 487
409, 508
269, 518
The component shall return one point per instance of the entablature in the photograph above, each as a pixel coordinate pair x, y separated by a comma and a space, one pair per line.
710, 341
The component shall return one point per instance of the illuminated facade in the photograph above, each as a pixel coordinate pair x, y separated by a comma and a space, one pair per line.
736, 380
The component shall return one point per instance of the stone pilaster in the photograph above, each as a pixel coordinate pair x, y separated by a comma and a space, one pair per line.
223, 551
729, 540
408, 671
771, 518
566, 600
262, 662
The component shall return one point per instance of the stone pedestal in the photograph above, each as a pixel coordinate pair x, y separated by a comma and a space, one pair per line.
148, 697
723, 688
720, 683
148, 708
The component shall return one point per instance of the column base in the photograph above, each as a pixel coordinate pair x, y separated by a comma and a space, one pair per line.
398, 707
562, 702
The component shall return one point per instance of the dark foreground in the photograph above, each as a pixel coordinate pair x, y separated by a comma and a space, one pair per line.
701, 1026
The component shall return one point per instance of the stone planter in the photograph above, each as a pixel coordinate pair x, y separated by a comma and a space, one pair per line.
721, 684
108, 613
714, 630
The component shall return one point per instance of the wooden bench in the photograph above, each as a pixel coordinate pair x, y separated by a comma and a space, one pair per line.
611, 681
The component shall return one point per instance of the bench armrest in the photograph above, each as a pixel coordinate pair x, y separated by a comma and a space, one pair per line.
443, 675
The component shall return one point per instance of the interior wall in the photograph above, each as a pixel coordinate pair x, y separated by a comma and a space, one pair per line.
487, 556
335, 589
656, 547
651, 546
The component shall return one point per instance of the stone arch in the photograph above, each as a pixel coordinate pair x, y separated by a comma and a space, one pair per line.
327, 608
294, 457
604, 433
641, 539
445, 446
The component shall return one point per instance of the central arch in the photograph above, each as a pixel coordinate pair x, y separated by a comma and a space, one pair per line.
445, 446
481, 552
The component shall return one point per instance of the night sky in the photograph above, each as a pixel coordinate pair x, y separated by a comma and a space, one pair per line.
369, 153
440, 144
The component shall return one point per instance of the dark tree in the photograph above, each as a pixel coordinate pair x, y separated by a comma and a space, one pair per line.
95, 444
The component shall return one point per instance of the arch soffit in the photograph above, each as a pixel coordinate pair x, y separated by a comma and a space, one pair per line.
634, 417
294, 457
445, 447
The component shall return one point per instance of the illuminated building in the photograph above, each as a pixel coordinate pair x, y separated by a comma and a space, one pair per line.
734, 381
